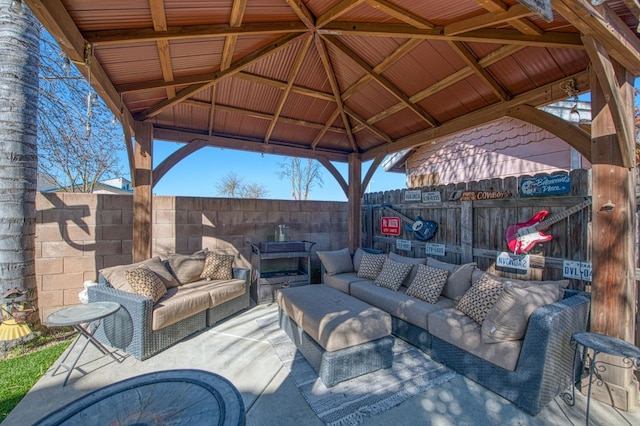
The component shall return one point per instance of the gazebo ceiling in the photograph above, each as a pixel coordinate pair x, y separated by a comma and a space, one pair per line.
331, 77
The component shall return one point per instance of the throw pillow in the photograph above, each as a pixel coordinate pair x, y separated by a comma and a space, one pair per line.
509, 317
114, 275
480, 298
393, 274
336, 261
459, 280
357, 256
145, 282
415, 261
218, 266
187, 267
428, 283
371, 265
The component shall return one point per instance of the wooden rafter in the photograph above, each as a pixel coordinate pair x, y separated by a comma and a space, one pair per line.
238, 66
305, 91
468, 57
119, 37
460, 75
295, 69
328, 68
373, 129
325, 128
336, 11
543, 95
516, 11
305, 16
400, 14
386, 84
486, 35
235, 21
159, 19
521, 24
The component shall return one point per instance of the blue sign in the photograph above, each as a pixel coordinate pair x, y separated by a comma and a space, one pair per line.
546, 185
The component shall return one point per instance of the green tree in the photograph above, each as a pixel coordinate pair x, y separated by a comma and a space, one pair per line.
303, 176
19, 35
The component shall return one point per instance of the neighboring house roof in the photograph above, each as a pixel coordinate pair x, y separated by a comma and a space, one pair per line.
500, 143
109, 186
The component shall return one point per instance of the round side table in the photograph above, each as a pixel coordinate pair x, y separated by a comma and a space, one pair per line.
81, 318
601, 343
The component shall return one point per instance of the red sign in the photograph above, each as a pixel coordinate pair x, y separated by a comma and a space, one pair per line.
390, 225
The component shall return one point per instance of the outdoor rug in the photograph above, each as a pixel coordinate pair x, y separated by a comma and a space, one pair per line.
352, 401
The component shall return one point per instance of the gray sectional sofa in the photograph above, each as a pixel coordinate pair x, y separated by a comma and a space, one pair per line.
144, 327
527, 359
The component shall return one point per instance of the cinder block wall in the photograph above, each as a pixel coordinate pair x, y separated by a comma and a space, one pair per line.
79, 234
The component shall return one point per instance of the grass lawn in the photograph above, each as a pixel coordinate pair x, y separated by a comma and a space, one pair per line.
21, 373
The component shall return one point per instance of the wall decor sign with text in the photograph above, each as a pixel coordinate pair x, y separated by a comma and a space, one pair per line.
390, 225
434, 249
404, 245
546, 185
413, 195
513, 261
431, 197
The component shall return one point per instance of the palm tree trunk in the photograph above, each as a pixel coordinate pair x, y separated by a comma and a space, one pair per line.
19, 53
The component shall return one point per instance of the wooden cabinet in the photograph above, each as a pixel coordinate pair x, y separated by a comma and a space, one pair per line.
277, 265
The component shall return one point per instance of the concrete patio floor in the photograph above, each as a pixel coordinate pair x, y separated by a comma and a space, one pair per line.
237, 349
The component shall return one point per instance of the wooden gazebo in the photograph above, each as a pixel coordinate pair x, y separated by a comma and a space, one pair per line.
354, 80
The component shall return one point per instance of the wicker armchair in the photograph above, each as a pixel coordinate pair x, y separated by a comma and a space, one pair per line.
544, 368
130, 329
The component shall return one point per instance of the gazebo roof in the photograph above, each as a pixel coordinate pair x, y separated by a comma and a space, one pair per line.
328, 78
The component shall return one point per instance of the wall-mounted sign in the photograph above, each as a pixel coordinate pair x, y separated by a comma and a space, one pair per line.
513, 261
541, 7
431, 197
390, 225
413, 195
434, 249
404, 245
546, 185
576, 270
478, 195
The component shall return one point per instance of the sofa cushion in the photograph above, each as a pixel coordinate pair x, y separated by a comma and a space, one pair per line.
179, 303
393, 274
428, 283
219, 291
218, 266
371, 265
415, 261
145, 282
115, 274
509, 317
481, 297
561, 284
187, 267
458, 329
336, 261
343, 281
459, 280
398, 304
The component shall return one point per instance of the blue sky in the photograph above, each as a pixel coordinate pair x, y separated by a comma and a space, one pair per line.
199, 174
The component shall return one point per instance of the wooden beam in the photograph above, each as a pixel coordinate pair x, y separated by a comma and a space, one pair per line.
241, 64
305, 91
523, 25
487, 35
621, 42
235, 21
372, 169
212, 106
336, 11
142, 194
379, 133
167, 164
487, 20
335, 173
620, 112
543, 95
293, 73
303, 13
569, 132
194, 32
467, 56
159, 19
231, 142
326, 127
400, 14
386, 84
331, 76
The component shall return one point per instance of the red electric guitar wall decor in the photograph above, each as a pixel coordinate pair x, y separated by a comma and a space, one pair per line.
521, 237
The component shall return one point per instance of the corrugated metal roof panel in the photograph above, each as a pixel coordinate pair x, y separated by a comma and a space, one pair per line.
312, 73
371, 99
402, 123
95, 15
344, 68
247, 94
277, 65
308, 109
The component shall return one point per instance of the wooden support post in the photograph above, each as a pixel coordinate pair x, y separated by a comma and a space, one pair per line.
355, 201
613, 219
142, 196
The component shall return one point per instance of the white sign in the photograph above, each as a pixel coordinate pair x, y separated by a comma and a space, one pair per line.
413, 195
576, 270
434, 249
541, 7
513, 261
403, 245
431, 197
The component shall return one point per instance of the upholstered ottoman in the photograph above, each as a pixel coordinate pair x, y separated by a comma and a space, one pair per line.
340, 336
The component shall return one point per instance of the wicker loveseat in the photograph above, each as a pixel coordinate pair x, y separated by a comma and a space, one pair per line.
529, 371
143, 328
